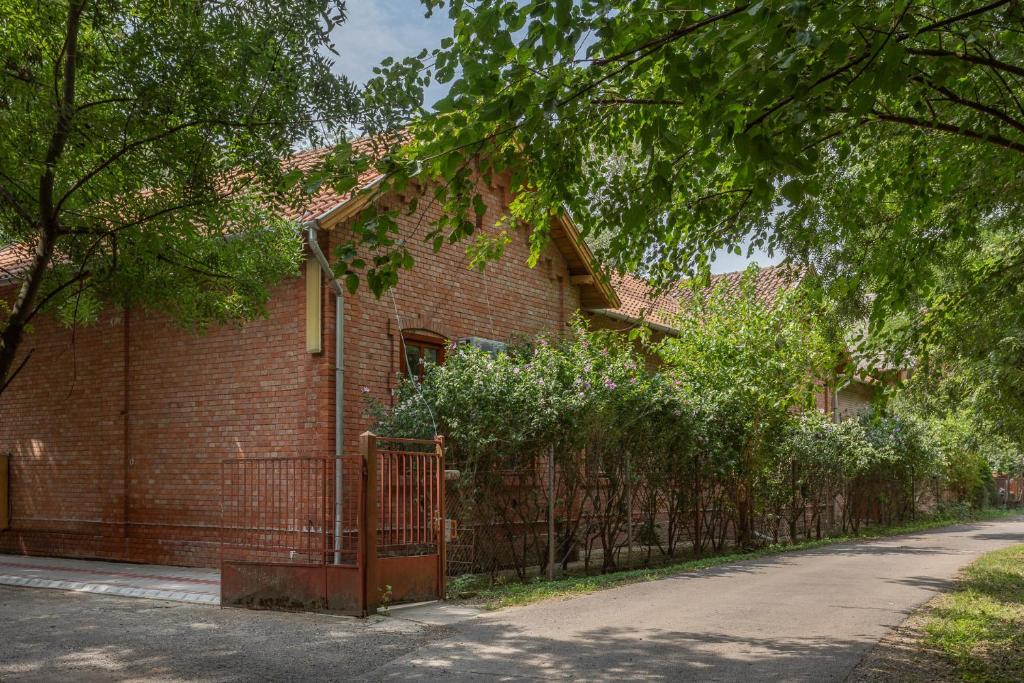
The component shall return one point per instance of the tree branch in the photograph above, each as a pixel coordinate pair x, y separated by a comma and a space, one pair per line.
17, 370
787, 100
965, 15
631, 100
970, 58
673, 36
156, 137
197, 271
78, 277
13, 202
949, 128
972, 104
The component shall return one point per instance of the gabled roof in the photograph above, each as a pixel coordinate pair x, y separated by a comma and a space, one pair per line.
643, 303
328, 208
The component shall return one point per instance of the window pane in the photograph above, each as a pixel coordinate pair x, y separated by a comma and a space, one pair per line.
412, 359
430, 355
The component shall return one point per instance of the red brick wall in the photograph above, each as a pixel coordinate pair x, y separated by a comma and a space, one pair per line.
61, 420
192, 401
118, 431
444, 298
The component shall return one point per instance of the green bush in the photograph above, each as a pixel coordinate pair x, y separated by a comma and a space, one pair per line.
720, 445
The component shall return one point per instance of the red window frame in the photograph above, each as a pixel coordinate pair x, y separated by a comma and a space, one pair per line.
424, 347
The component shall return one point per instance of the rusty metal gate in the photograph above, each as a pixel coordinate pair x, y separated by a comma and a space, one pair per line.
288, 543
409, 492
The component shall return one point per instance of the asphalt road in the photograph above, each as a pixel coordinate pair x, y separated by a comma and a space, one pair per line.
807, 616
802, 616
49, 635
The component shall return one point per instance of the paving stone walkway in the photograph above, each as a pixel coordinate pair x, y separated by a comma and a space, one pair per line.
157, 582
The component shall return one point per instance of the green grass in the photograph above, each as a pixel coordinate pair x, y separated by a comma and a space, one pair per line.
980, 625
498, 595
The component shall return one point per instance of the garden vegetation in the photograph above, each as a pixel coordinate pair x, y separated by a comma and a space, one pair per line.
699, 443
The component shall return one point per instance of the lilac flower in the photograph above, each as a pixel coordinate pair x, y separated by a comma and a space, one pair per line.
516, 371
609, 385
366, 390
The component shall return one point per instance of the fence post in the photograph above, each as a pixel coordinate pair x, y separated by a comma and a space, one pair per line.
368, 522
442, 521
629, 515
551, 513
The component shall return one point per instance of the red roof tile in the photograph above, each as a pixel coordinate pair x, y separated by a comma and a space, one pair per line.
327, 197
14, 259
640, 301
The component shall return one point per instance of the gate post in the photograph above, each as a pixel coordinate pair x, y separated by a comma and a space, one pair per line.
368, 522
442, 521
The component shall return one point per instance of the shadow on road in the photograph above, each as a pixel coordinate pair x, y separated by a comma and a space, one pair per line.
626, 653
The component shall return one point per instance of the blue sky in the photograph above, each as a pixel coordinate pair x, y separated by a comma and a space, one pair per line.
398, 28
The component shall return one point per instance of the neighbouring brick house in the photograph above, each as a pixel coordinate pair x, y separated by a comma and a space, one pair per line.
642, 305
117, 433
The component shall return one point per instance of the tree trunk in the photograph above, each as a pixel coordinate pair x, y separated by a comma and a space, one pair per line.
48, 224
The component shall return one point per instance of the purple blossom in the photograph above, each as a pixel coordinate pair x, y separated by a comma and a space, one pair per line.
516, 371
366, 390
609, 385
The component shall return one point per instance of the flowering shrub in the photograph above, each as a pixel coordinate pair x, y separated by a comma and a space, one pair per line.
717, 445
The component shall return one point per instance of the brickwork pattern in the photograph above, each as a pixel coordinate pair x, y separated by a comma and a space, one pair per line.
118, 431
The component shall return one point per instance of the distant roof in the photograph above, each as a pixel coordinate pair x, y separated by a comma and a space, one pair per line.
643, 303
14, 260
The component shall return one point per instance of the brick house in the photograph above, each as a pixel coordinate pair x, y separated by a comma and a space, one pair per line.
116, 434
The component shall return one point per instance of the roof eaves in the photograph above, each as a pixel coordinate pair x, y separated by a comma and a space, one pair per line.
347, 207
615, 315
602, 283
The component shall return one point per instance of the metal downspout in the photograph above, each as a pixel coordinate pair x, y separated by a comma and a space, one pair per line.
312, 228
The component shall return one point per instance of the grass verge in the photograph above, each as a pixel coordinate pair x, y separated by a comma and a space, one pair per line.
496, 596
979, 626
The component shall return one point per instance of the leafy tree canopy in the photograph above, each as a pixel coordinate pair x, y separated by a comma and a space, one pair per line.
140, 161
864, 137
